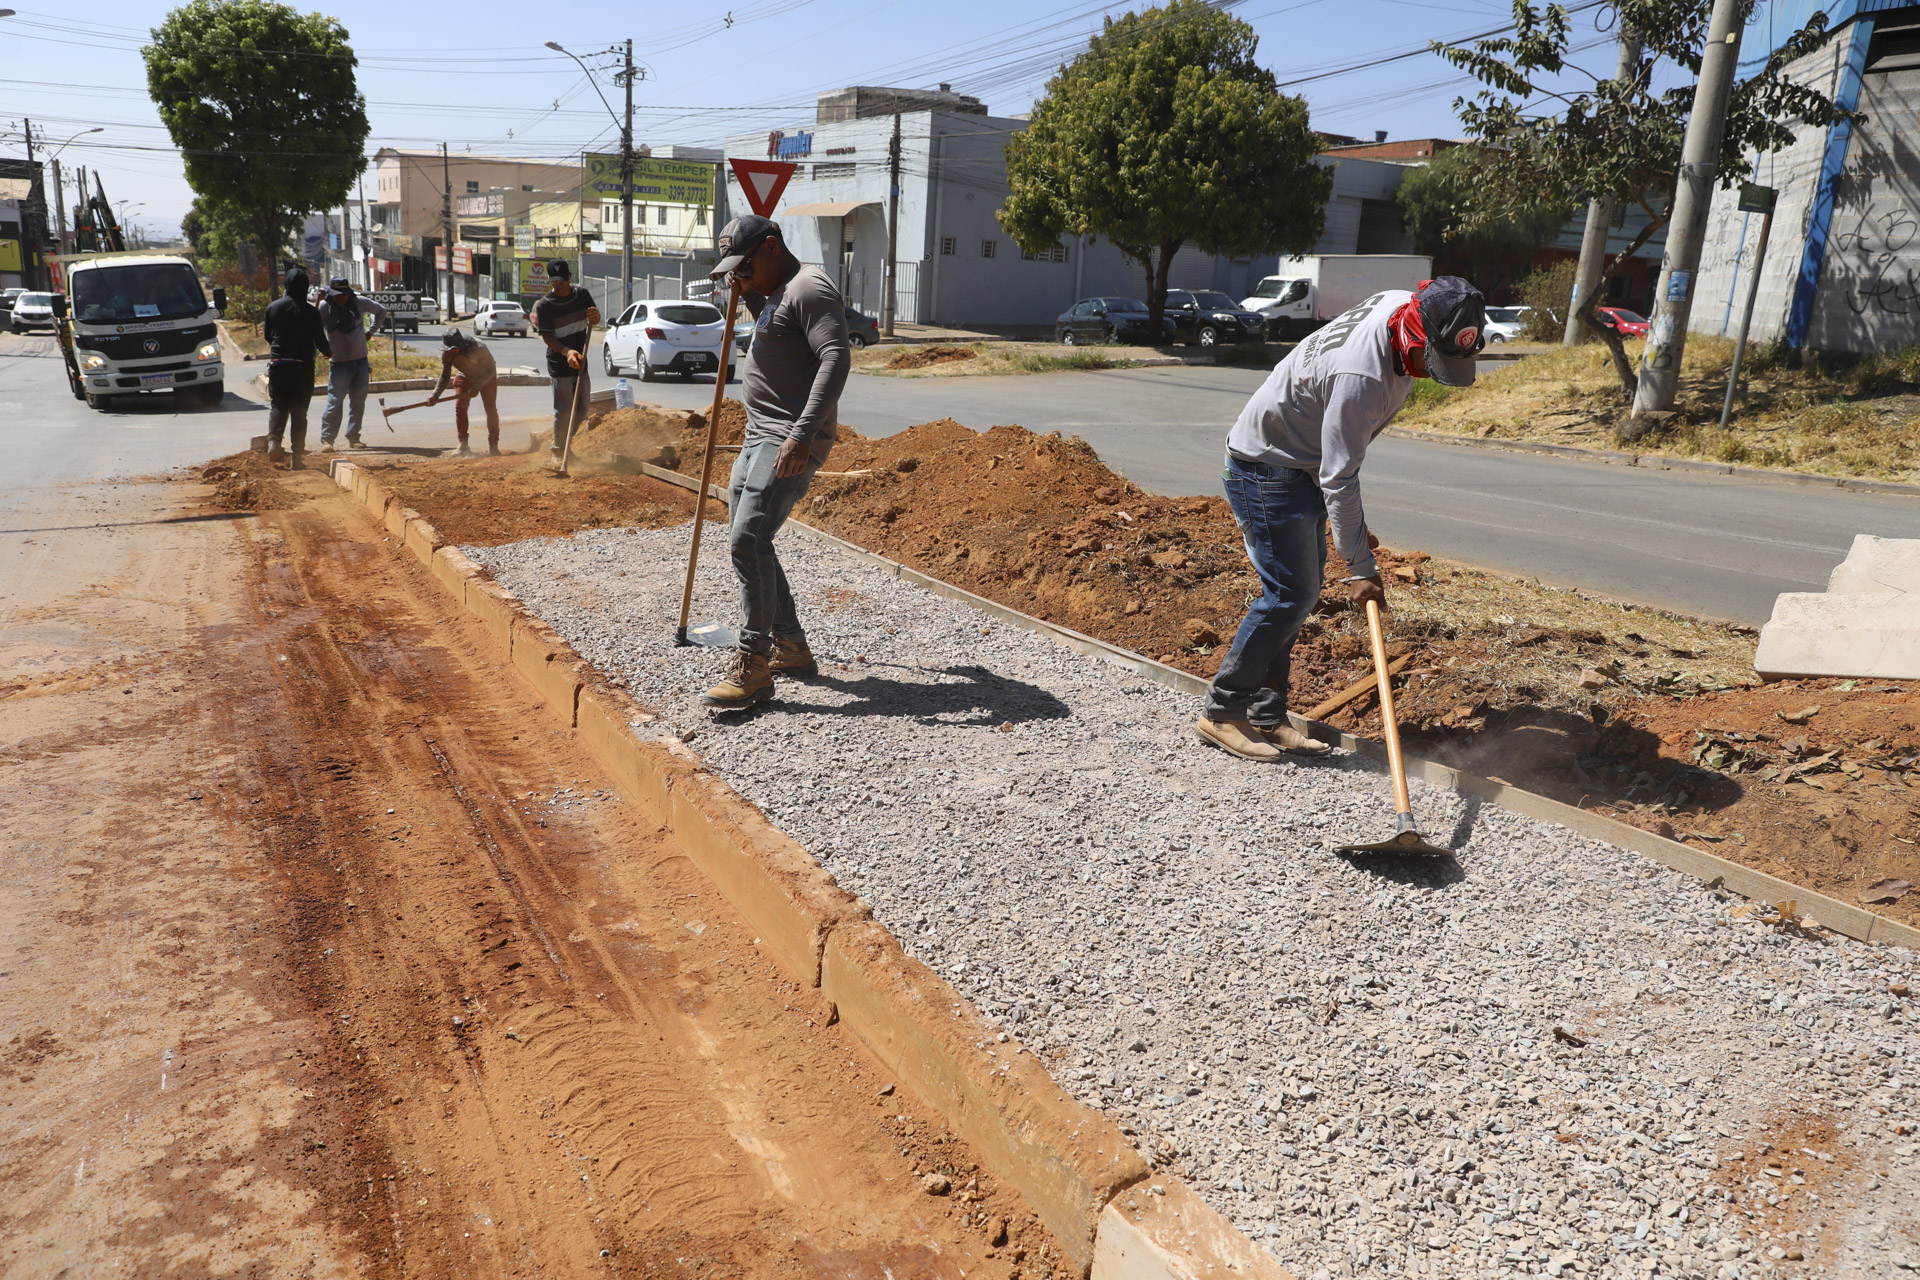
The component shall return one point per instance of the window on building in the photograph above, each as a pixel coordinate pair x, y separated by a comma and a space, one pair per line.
838, 169
987, 248
473, 188
660, 219
948, 246
1058, 253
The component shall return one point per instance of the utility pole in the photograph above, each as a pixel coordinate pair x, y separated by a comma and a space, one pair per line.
1692, 198
626, 190
60, 208
893, 227
27, 237
366, 245
446, 223
1600, 211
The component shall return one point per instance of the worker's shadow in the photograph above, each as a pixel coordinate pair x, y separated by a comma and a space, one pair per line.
964, 695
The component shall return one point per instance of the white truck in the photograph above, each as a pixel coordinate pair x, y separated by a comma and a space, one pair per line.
1307, 292
139, 321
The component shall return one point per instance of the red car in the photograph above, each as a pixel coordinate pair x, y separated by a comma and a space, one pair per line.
1631, 324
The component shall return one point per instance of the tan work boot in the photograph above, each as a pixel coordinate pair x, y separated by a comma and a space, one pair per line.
747, 682
792, 658
1292, 741
1237, 736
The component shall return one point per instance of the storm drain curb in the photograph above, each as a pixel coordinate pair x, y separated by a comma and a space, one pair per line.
1071, 1163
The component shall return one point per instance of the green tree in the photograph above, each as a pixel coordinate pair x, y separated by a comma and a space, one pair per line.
1440, 208
1164, 133
214, 231
1620, 139
261, 101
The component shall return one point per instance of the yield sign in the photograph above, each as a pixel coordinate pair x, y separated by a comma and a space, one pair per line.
763, 181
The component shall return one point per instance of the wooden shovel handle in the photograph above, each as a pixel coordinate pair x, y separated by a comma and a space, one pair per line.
1388, 725
706, 467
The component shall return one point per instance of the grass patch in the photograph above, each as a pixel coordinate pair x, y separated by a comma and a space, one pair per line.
977, 359
380, 357
1095, 359
1835, 416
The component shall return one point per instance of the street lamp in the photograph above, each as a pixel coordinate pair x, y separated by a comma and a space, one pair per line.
626, 161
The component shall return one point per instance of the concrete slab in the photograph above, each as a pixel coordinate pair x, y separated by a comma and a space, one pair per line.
1874, 634
1879, 564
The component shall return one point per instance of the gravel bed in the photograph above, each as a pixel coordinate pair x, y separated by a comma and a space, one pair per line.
1553, 1057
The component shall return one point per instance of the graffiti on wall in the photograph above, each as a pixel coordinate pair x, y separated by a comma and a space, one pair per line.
1877, 262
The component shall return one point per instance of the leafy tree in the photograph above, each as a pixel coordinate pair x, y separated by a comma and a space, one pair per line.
1166, 132
262, 103
1620, 139
214, 231
1440, 204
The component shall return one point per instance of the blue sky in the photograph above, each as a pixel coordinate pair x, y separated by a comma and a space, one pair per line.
477, 76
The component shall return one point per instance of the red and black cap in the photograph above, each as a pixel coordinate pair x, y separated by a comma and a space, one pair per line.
1454, 315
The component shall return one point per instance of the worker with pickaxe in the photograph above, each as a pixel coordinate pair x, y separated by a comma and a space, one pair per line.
470, 366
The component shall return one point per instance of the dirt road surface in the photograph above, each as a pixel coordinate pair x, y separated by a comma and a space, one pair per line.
322, 954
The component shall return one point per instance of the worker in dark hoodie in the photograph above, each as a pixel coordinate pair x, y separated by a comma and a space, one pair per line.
294, 338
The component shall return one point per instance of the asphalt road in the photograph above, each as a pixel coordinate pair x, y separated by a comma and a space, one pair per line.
1712, 545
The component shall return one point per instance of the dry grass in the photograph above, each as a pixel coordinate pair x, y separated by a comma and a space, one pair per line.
411, 364
994, 358
1833, 416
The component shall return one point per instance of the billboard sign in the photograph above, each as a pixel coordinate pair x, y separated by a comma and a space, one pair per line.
655, 181
523, 240
533, 274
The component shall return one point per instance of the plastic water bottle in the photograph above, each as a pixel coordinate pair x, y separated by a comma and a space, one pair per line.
622, 395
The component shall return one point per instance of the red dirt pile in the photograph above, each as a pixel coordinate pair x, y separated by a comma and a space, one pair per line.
926, 357
246, 482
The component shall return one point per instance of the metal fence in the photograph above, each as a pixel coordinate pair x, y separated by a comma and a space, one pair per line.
865, 289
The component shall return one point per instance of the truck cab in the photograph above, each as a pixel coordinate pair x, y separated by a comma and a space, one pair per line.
142, 322
1286, 303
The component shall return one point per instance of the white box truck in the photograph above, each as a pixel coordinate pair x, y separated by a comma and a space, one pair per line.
1307, 292
140, 320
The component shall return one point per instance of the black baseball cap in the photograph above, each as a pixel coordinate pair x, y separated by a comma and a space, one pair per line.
1454, 315
740, 240
559, 270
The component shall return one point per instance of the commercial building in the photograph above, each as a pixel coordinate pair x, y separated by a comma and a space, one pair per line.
23, 225
405, 214
1842, 267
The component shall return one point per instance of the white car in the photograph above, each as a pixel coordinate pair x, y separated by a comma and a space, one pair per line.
666, 335
1505, 324
32, 311
498, 317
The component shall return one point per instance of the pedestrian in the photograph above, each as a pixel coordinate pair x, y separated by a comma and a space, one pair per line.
1293, 466
292, 329
794, 372
471, 367
564, 318
343, 320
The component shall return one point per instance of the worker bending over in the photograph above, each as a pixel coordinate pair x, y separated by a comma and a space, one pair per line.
470, 365
1293, 465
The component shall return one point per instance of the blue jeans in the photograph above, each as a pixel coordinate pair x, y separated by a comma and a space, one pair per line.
346, 388
759, 503
1283, 522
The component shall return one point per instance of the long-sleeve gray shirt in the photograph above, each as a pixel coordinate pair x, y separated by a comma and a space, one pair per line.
349, 343
1322, 406
798, 362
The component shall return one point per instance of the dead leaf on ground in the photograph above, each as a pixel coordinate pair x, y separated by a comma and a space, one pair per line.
1883, 892
1801, 716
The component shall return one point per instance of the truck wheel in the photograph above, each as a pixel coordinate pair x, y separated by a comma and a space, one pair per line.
99, 403
209, 395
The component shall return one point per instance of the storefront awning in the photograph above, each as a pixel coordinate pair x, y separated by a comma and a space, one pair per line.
826, 209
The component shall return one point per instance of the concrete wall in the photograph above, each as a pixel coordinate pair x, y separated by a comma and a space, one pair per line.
1869, 293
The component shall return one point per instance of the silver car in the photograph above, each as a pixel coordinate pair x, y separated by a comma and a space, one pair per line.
32, 311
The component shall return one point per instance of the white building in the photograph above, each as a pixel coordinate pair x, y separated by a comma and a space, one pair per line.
956, 265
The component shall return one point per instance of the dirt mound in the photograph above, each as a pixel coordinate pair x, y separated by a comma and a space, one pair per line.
488, 501
246, 482
644, 432
924, 357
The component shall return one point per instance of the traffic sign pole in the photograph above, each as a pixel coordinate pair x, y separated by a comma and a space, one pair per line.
1753, 199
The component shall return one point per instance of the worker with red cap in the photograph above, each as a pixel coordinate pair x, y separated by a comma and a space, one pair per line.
1293, 468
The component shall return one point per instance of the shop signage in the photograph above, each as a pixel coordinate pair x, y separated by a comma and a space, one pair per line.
688, 182
491, 205
523, 240
533, 274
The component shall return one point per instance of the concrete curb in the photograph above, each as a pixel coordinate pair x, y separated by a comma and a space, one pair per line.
1070, 1162
1658, 462
1841, 917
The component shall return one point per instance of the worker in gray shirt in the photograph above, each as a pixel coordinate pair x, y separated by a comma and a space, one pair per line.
794, 372
343, 328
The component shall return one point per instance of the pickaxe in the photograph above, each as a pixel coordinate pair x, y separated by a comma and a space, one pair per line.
387, 414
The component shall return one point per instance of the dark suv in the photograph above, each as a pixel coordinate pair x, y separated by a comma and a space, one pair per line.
1209, 318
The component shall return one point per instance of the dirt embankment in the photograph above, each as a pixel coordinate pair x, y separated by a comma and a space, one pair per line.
247, 482
1607, 706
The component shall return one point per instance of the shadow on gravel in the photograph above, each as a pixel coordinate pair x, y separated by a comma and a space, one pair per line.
970, 695
1424, 872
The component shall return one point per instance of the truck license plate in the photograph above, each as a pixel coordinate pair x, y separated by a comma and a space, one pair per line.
156, 379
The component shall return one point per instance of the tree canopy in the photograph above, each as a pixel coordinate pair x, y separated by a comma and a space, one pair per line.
1440, 207
262, 102
1164, 133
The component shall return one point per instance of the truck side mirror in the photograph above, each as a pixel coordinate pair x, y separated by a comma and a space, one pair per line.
220, 300
59, 306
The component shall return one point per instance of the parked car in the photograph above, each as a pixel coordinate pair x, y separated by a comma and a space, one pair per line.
498, 317
1208, 317
862, 330
7, 296
1631, 324
1098, 320
1505, 324
667, 335
32, 311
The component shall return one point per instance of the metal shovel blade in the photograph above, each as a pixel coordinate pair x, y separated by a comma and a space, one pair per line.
1406, 842
709, 635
